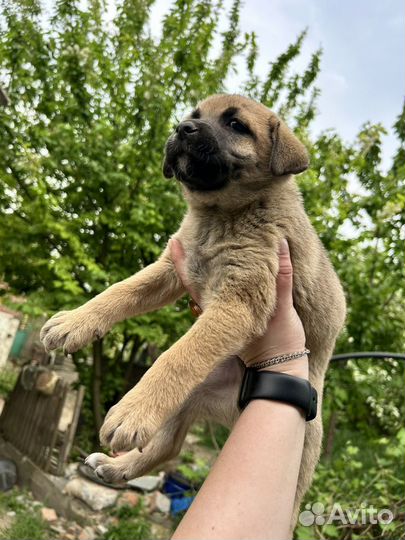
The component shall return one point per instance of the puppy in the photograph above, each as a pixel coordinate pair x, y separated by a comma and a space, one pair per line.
235, 160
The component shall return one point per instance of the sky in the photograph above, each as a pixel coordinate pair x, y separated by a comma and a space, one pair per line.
363, 66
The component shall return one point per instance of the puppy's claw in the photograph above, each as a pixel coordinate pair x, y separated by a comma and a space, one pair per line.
112, 475
95, 459
127, 427
72, 330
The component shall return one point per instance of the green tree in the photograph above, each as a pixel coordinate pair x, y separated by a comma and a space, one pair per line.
92, 103
83, 202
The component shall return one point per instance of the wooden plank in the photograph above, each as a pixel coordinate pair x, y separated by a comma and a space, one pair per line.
70, 435
60, 393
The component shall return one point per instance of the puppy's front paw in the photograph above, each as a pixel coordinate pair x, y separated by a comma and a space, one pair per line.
131, 423
72, 330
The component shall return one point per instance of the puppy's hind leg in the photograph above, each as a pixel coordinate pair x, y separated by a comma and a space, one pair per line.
216, 399
312, 447
165, 445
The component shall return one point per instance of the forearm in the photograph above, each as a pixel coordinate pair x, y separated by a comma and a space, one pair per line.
251, 489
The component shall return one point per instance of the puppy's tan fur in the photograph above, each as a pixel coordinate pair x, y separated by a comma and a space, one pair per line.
231, 238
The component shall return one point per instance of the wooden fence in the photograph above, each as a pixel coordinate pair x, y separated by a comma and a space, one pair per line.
30, 421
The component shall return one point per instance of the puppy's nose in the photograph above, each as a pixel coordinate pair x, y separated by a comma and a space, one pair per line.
186, 129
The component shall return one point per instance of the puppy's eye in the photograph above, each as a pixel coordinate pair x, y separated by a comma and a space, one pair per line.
236, 125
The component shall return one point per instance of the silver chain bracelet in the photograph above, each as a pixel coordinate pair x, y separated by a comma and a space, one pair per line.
280, 359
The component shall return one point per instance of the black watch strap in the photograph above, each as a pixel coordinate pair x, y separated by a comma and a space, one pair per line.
279, 387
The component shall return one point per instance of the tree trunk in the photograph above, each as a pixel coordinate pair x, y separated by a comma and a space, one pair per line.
97, 379
135, 369
125, 341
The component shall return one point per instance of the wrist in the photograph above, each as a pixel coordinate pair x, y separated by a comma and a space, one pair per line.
262, 350
298, 367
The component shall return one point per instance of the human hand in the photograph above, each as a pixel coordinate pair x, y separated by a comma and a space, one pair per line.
284, 334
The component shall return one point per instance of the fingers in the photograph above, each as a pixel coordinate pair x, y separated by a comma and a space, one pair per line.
178, 257
285, 275
284, 258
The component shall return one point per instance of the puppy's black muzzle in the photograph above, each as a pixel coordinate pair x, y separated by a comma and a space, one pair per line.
197, 138
193, 156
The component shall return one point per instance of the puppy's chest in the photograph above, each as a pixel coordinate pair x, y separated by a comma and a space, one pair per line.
213, 256
202, 262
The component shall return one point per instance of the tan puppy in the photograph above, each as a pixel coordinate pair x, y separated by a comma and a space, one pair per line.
235, 160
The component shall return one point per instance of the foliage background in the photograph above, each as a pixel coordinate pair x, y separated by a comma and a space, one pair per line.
83, 204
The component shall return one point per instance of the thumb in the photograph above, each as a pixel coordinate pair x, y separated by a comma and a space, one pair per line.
178, 257
285, 274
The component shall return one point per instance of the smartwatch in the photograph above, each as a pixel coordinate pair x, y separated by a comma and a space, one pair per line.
279, 387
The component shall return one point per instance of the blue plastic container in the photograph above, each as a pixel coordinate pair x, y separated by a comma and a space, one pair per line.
178, 489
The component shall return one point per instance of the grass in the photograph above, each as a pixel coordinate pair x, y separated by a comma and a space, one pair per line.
8, 378
132, 524
27, 523
25, 526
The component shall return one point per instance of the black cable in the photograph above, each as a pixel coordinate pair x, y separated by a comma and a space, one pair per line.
376, 354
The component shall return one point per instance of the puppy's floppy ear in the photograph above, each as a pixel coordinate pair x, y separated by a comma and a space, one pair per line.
288, 154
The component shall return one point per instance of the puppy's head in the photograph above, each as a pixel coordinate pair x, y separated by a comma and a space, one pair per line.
231, 147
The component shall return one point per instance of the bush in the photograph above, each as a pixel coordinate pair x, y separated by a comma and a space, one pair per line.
8, 378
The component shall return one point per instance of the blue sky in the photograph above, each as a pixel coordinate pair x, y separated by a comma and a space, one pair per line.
363, 65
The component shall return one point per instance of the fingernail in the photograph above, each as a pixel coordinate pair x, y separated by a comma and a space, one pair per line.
284, 247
